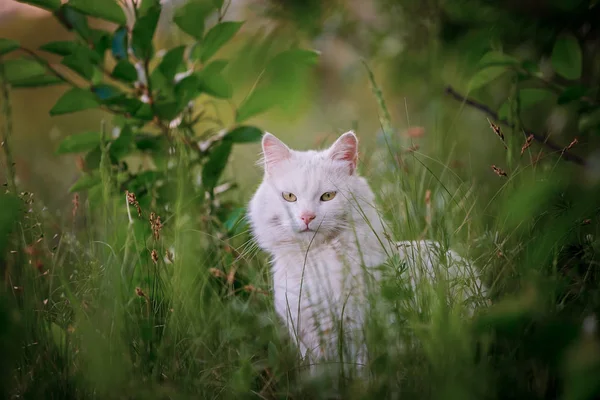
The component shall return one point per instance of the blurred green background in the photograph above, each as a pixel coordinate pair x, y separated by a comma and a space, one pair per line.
479, 127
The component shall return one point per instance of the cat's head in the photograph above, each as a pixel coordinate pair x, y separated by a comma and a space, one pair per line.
306, 195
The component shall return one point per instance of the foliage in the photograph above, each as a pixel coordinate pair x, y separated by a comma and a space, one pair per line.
152, 288
154, 96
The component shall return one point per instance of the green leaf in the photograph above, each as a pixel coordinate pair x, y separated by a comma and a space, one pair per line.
146, 5
572, 93
123, 145
59, 337
244, 134
124, 104
143, 33
22, 68
217, 36
144, 112
260, 100
76, 99
144, 180
85, 182
8, 45
241, 379
107, 10
589, 121
125, 71
50, 5
61, 47
566, 57
101, 42
214, 167
37, 81
92, 158
531, 67
80, 64
106, 92
496, 59
218, 3
119, 43
273, 355
168, 109
234, 218
212, 82
187, 89
284, 74
162, 85
79, 142
172, 62
190, 18
485, 76
531, 97
508, 315
216, 66
152, 143
504, 110
73, 20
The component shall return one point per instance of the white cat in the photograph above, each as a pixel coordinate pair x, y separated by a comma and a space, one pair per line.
317, 219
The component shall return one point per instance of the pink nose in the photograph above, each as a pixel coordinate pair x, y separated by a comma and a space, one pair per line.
307, 217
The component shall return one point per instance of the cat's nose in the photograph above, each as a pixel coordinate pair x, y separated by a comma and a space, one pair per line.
307, 217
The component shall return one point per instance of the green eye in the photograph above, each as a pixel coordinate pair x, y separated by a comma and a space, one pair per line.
327, 196
291, 197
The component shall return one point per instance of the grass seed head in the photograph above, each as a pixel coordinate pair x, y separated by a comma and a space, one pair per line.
217, 273
499, 171
497, 131
527, 143
131, 199
156, 225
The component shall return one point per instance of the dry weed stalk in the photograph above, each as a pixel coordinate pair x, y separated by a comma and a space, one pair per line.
573, 143
497, 131
217, 273
156, 225
527, 143
499, 171
254, 289
132, 200
140, 293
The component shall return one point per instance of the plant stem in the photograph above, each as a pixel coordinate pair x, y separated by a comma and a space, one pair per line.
540, 138
6, 131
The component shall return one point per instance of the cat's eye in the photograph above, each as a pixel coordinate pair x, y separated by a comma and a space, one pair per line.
291, 197
327, 196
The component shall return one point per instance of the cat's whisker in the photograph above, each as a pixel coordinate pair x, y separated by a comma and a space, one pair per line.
318, 274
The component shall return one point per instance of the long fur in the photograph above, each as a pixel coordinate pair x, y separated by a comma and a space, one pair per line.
320, 276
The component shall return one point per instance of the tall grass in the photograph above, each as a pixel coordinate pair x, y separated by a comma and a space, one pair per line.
112, 304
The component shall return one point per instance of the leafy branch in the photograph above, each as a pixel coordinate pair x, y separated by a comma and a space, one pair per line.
542, 139
147, 88
530, 87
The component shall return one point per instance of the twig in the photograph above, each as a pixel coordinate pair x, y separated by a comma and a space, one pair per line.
543, 139
46, 64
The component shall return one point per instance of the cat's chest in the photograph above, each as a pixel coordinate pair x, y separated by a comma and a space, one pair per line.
323, 276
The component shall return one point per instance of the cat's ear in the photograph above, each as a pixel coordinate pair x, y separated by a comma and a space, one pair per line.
345, 149
274, 150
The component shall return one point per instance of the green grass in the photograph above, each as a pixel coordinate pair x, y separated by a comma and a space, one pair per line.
94, 316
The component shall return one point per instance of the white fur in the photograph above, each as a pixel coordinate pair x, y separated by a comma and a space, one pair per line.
320, 277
